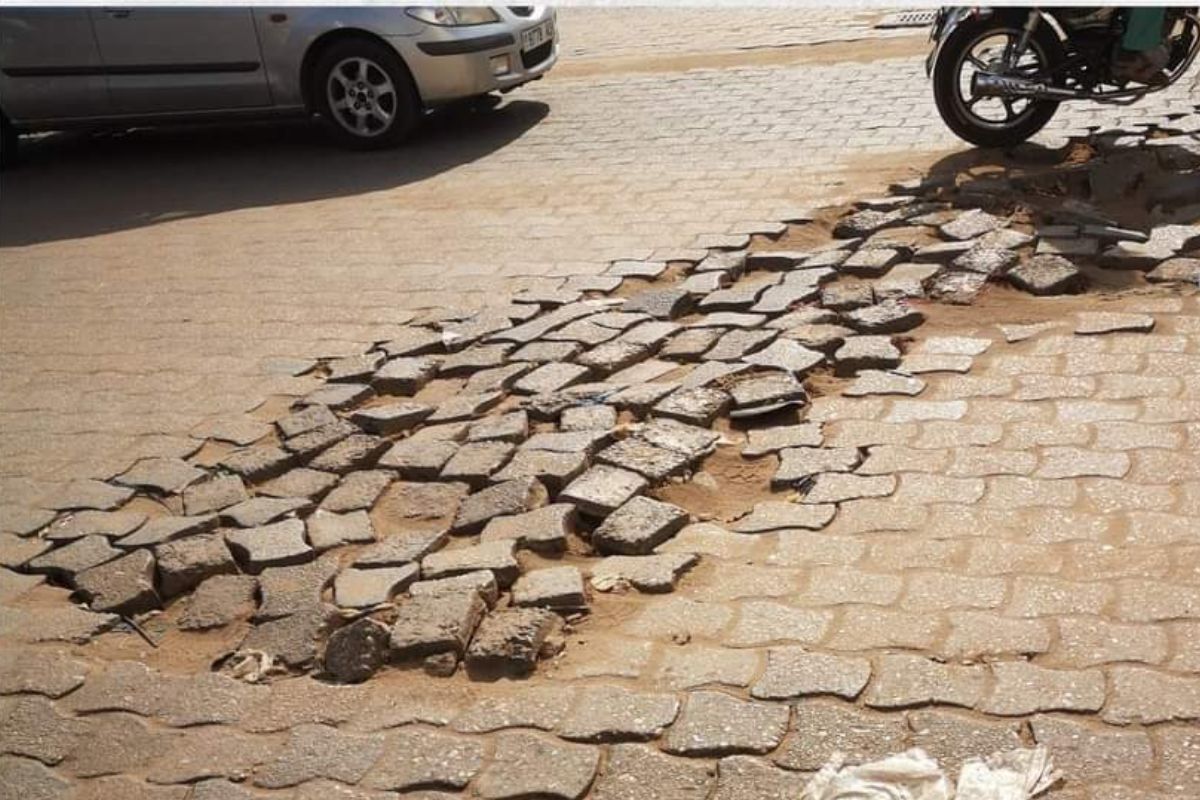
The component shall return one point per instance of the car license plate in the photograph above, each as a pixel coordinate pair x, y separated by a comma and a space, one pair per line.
537, 36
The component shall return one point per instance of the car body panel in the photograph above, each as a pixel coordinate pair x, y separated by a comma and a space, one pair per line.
159, 64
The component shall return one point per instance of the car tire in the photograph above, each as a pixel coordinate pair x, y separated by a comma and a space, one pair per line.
9, 142
365, 94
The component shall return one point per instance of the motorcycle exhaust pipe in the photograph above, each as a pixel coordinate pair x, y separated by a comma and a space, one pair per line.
985, 85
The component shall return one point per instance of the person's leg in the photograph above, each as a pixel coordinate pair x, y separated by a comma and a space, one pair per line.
1143, 55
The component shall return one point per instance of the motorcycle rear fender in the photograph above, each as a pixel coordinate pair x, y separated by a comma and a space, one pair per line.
950, 18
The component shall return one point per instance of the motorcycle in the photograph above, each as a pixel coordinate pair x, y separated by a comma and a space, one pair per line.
999, 73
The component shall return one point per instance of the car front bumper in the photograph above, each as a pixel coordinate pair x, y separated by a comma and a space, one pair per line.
450, 64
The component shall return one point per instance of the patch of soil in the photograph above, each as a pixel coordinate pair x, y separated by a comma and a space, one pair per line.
726, 486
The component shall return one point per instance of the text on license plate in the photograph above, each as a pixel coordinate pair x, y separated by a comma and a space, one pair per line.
537, 36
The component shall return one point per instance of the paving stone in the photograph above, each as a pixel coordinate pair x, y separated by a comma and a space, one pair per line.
1022, 688
847, 296
31, 727
275, 545
115, 744
353, 368
69, 561
699, 406
292, 589
366, 588
715, 724
956, 288
46, 671
799, 463
1101, 755
954, 737
740, 297
404, 376
510, 497
121, 586
554, 470
795, 672
482, 582
544, 529
785, 296
258, 463
1143, 695
652, 334
320, 751
822, 728
26, 779
660, 303
871, 262
402, 548
729, 319
425, 759
866, 352
636, 455
309, 444
544, 352
602, 489
868, 628
748, 778
583, 331
551, 587
637, 771
357, 491
551, 377
94, 523
651, 573
889, 316
638, 526
588, 442
787, 355
864, 223
534, 707
219, 601
530, 765
691, 344
711, 372
1094, 322
305, 420
1047, 275
474, 462
692, 666
942, 252
878, 382
984, 260
391, 418
509, 641
418, 459
87, 494
464, 407
737, 344
339, 396
211, 752
1178, 764
261, 510
213, 495
512, 427
769, 440
588, 418
358, 451
835, 487
689, 440
185, 563
1176, 270
163, 475
435, 623
971, 224
299, 482
762, 622
909, 680
413, 341
1073, 462
547, 297
496, 556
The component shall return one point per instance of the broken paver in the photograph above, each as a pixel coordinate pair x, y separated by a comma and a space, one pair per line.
435, 623
649, 573
70, 560
1047, 275
698, 406
510, 497
94, 523
495, 556
602, 489
275, 545
543, 529
163, 475
366, 588
258, 463
638, 526
866, 352
121, 586
219, 601
837, 487
509, 641
213, 495
1100, 322
774, 515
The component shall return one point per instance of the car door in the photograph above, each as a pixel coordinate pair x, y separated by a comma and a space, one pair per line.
50, 66
160, 60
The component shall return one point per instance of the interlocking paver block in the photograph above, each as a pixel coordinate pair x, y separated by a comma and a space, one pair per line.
795, 672
909, 680
716, 724
1022, 688
603, 489
437, 623
321, 751
639, 526
274, 545
551, 587
510, 641
511, 497
612, 713
822, 728
531, 765
1143, 695
651, 574
424, 759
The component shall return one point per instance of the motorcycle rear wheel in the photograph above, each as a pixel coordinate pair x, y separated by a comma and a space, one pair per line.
958, 53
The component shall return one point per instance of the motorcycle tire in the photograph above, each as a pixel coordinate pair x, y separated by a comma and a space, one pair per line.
946, 79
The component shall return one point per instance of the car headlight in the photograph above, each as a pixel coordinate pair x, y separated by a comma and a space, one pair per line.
453, 16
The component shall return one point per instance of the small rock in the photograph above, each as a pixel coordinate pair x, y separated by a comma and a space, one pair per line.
1047, 275
602, 489
510, 640
553, 587
355, 652
275, 545
639, 526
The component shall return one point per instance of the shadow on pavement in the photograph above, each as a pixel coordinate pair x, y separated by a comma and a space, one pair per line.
73, 185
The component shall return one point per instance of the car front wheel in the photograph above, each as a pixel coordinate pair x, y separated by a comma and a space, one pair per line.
365, 94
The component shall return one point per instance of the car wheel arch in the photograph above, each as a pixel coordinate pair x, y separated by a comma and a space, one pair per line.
312, 57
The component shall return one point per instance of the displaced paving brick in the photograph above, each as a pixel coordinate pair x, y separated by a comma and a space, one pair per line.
354, 452
358, 490
321, 751
798, 463
588, 418
1143, 695
464, 407
355, 652
163, 475
300, 482
698, 406
971, 224
327, 530
309, 444
889, 316
305, 420
1047, 275
496, 556
544, 529
511, 497
588, 442
261, 510
403, 376
636, 455
219, 601
184, 563
291, 590
338, 396
31, 727
1176, 270
275, 545
425, 759
509, 641
391, 418
690, 440
602, 489
413, 341
612, 357
553, 469
715, 724
711, 372
94, 523
418, 459
866, 352
482, 582
660, 303
529, 765
69, 561
769, 440
87, 494
837, 487
258, 463
774, 515
987, 261
435, 623
1098, 322
909, 680
765, 394
794, 672
552, 587
737, 344
822, 728
122, 586
638, 526
213, 495
473, 462
551, 377
957, 287
512, 427
847, 296
878, 382
651, 574
401, 548
366, 588
1022, 688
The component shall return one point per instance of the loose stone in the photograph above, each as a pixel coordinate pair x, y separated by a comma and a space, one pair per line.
121, 586
553, 587
213, 495
258, 463
866, 352
1047, 275
698, 406
887, 317
68, 561
435, 623
275, 545
404, 376
602, 489
338, 396
510, 640
418, 459
652, 574
183, 564
496, 557
510, 497
638, 526
355, 652
391, 418
219, 601
636, 455
327, 529
163, 475
544, 529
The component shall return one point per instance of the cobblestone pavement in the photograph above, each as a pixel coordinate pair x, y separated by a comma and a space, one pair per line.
149, 282
977, 534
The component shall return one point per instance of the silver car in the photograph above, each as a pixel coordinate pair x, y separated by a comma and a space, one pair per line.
370, 73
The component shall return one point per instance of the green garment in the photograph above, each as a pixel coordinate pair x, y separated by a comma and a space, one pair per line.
1143, 29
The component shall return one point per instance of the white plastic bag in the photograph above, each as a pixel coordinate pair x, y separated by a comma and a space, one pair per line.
1014, 775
